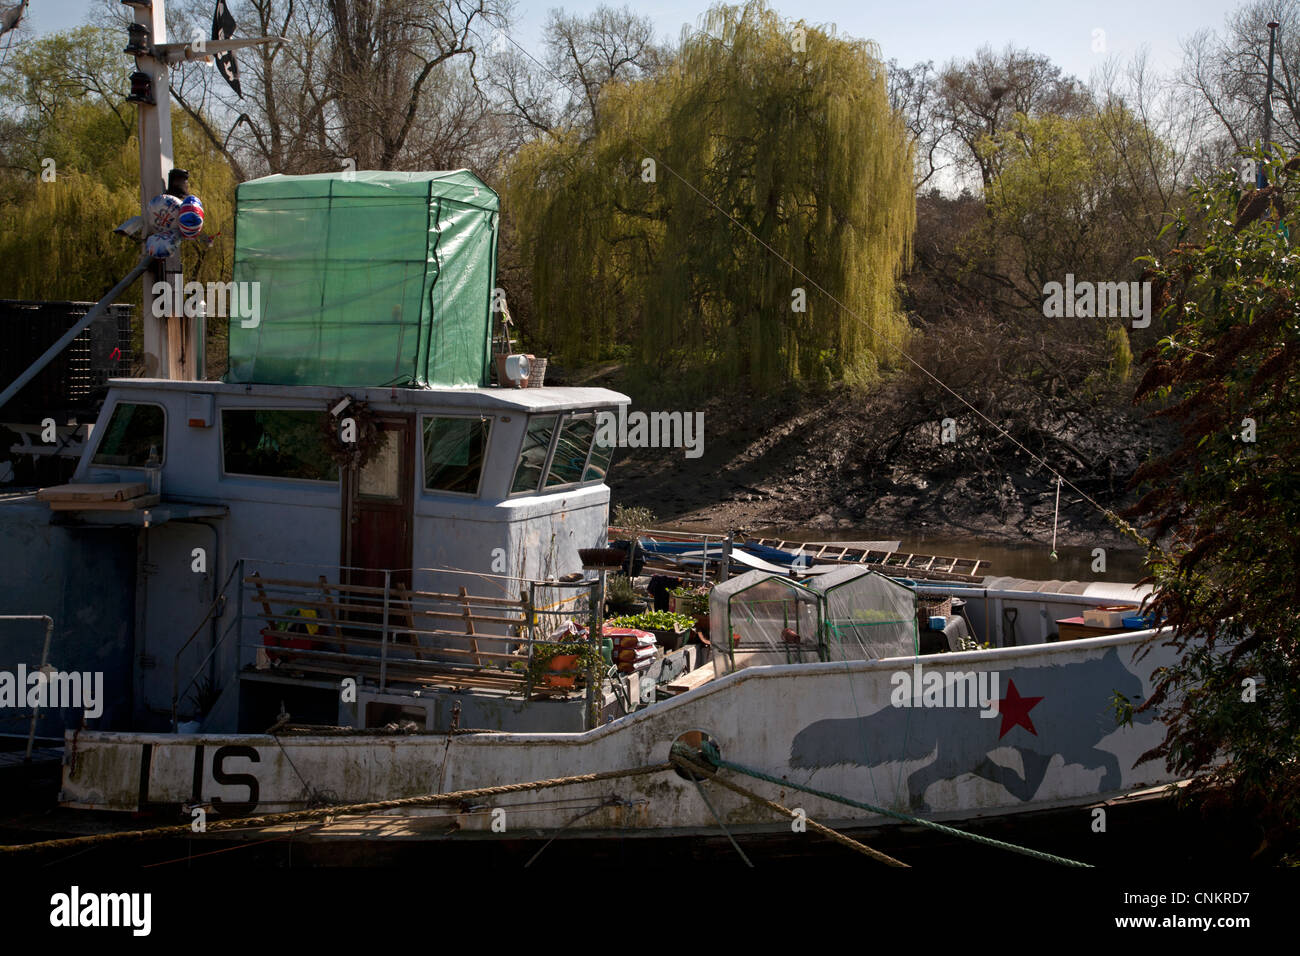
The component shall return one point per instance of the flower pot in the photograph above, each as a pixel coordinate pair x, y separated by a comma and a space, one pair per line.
561, 662
670, 639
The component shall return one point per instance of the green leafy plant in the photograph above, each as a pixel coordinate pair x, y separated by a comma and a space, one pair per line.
692, 601
1223, 507
874, 615
587, 652
1122, 708
655, 621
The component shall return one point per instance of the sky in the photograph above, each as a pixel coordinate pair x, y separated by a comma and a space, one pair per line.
939, 30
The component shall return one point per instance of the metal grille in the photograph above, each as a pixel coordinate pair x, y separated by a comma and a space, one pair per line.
75, 379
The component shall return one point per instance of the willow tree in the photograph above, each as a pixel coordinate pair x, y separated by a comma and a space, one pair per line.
749, 208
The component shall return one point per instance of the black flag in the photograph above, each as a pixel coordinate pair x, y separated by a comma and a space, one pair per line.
223, 28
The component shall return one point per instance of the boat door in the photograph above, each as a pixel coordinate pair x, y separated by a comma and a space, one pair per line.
377, 504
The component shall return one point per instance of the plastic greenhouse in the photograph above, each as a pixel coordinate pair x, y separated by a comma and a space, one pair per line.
851, 613
366, 279
865, 615
775, 619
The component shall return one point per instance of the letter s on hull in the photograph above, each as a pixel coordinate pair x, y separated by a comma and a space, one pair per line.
219, 774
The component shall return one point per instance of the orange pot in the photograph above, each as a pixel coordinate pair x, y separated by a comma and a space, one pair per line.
561, 662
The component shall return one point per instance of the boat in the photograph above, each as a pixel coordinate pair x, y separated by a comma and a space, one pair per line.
283, 619
268, 677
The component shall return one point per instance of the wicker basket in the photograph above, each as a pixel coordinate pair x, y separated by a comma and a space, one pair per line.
933, 605
536, 373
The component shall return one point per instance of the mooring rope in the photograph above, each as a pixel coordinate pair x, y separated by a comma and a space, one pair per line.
711, 756
705, 762
685, 762
351, 809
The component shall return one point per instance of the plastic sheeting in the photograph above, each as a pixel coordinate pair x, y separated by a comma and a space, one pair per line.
850, 613
771, 619
364, 279
865, 615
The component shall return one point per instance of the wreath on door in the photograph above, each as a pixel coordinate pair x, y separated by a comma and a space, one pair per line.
365, 431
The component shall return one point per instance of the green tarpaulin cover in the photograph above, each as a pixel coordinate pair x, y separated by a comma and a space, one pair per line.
365, 278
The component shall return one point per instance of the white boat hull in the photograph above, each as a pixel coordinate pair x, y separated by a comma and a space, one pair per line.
836, 727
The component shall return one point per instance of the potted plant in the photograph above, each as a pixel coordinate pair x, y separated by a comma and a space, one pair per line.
621, 596
693, 602
569, 658
667, 626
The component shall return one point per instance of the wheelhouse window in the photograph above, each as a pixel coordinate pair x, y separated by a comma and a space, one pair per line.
570, 458
275, 443
454, 449
598, 464
532, 459
564, 449
133, 432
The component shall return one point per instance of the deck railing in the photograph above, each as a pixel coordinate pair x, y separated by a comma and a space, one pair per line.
390, 633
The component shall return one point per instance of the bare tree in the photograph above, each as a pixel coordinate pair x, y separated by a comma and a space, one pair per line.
588, 52
978, 98
583, 55
363, 83
1161, 156
912, 92
1229, 70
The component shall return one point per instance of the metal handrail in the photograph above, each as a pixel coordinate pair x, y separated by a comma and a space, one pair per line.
387, 602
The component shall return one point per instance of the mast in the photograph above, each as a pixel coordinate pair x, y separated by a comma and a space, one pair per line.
172, 348
173, 343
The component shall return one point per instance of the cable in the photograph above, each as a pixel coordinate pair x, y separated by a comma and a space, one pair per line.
696, 780
1056, 517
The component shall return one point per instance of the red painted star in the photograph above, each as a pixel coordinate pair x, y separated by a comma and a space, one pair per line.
1015, 710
